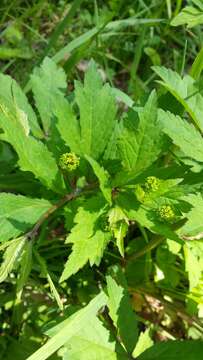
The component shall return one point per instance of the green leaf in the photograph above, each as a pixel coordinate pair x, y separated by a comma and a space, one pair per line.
183, 134
140, 141
67, 124
194, 224
19, 213
97, 112
121, 313
192, 266
176, 350
33, 154
10, 92
103, 178
87, 236
144, 342
11, 255
70, 327
92, 342
190, 16
119, 226
144, 216
47, 82
185, 91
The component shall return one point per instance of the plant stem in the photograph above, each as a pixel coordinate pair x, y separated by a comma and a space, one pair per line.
31, 234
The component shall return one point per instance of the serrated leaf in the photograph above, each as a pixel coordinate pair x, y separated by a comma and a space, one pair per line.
185, 91
120, 311
87, 237
190, 16
144, 342
97, 112
11, 255
194, 224
19, 213
176, 350
140, 141
103, 178
183, 134
144, 216
11, 92
67, 124
33, 154
47, 81
70, 328
119, 226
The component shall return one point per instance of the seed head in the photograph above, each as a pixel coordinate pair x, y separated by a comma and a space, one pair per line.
69, 161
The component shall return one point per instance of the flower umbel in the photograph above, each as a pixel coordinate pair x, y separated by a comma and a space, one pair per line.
69, 161
152, 183
166, 212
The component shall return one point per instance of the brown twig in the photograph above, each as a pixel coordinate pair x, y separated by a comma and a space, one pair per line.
32, 233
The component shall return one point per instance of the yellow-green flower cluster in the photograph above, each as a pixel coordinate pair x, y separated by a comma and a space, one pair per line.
69, 161
152, 183
166, 213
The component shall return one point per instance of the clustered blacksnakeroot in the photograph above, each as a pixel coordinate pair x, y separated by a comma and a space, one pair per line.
69, 161
152, 183
166, 213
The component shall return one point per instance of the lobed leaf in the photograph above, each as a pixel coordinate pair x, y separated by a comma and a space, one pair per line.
87, 237
33, 154
185, 91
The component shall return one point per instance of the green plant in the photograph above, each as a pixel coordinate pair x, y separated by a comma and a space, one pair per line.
104, 220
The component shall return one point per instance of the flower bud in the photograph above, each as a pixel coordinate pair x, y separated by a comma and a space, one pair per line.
69, 161
152, 183
166, 213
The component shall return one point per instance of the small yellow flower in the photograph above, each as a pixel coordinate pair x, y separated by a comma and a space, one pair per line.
152, 183
69, 161
166, 212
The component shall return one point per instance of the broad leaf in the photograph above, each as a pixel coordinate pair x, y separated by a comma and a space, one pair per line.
71, 327
33, 154
174, 350
194, 224
183, 134
140, 141
11, 92
185, 91
97, 112
93, 342
88, 237
121, 313
67, 124
103, 178
19, 213
47, 81
146, 217
190, 16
